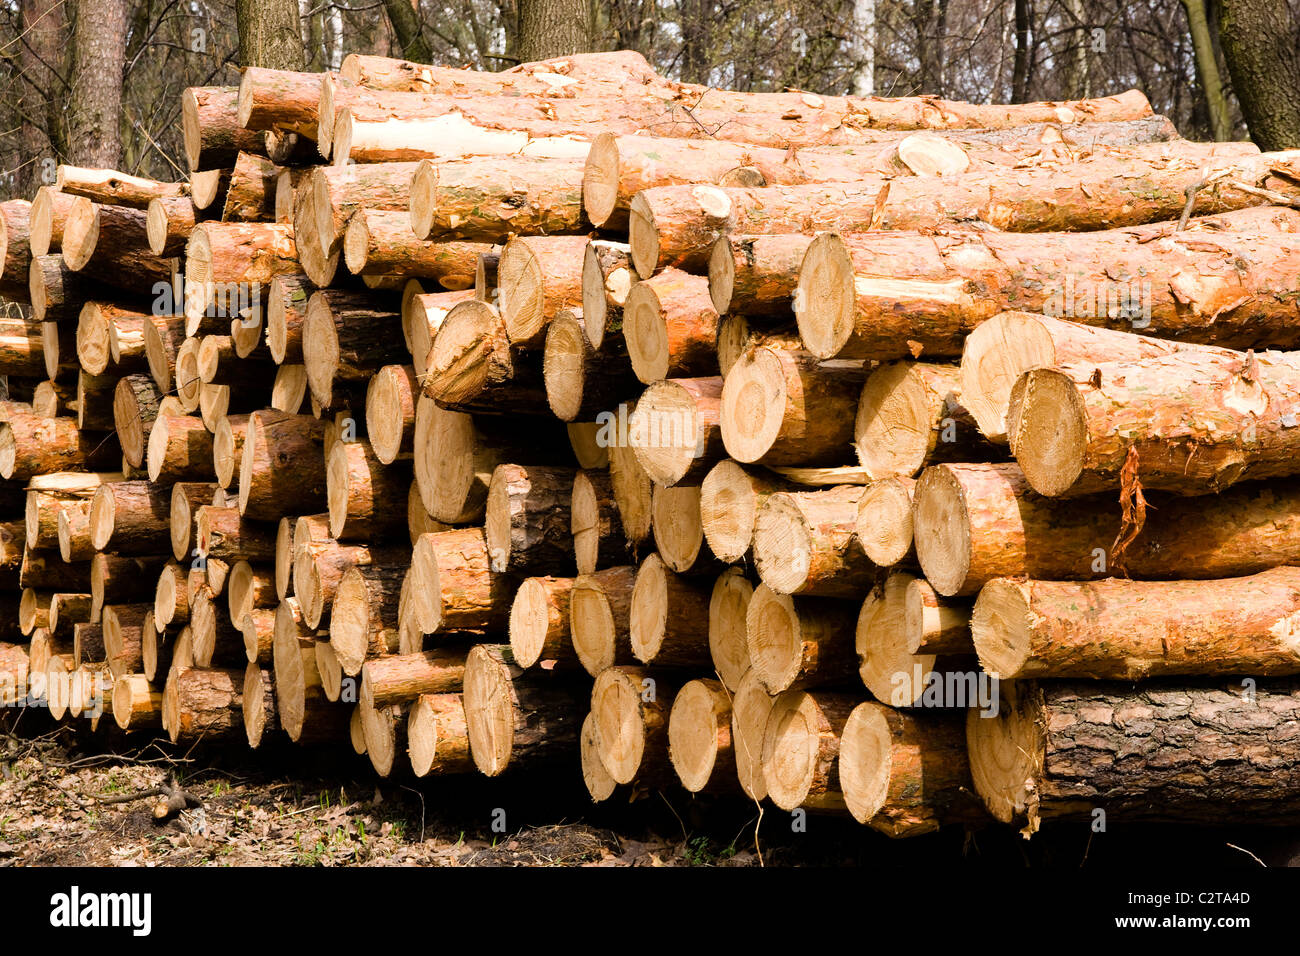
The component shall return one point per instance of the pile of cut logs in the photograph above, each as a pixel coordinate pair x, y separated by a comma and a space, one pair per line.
920, 460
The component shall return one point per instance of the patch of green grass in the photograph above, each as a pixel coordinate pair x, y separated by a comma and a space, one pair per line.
701, 851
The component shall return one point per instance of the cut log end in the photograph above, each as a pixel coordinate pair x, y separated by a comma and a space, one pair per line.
825, 297
701, 714
750, 707
621, 737
1001, 627
600, 179
530, 621
774, 641
941, 530
1006, 752
865, 760
994, 357
728, 507
753, 405
643, 237
894, 675
884, 524
599, 783
782, 544
1048, 430
564, 366
728, 608
489, 711
722, 275
437, 735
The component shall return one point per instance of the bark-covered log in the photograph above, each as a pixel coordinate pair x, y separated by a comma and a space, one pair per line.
283, 468
32, 446
539, 621
668, 617
401, 678
180, 449
527, 526
380, 242
580, 382
111, 244
670, 327
538, 277
203, 703
131, 517
367, 500
598, 538
346, 338
607, 278
455, 588
600, 606
800, 642
363, 618
472, 368
801, 749
804, 543
212, 131
115, 188
228, 268
437, 735
488, 199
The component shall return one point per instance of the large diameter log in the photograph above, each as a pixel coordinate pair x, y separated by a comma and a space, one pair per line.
180, 449
580, 383
422, 317
889, 295
598, 539
390, 411
437, 734
911, 415
278, 99
728, 627
801, 747
515, 717
607, 278
135, 407
1004, 347
756, 275
699, 737
906, 773
1194, 422
363, 618
228, 266
730, 499
539, 621
487, 199
797, 643
891, 669
471, 366
380, 242
780, 407
334, 194
676, 431
670, 327
455, 587
32, 446
202, 703
527, 526
632, 710
804, 543
366, 500
283, 468
131, 517
345, 339
1130, 630
212, 132
884, 524
600, 607
668, 617
1061, 750
538, 276
111, 243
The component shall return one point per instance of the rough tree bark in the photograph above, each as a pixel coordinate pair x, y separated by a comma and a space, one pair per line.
549, 28
1259, 39
95, 104
269, 34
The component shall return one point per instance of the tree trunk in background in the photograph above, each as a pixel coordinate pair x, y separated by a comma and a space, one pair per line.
1020, 69
43, 90
864, 47
695, 33
1207, 69
406, 24
549, 28
1260, 40
269, 34
95, 105
930, 18
1078, 85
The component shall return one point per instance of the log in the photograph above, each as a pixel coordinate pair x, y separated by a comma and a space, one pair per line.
591, 454
598, 539
1194, 422
728, 642
32, 446
34, 612
257, 704
516, 718
934, 624
189, 384
57, 342
363, 618
283, 466
94, 402
66, 613
334, 194
53, 399
250, 197
40, 525
321, 562
471, 367
730, 499
46, 220
538, 277
168, 224
539, 621
804, 543
779, 407
678, 533
675, 430
402, 678
286, 310
220, 363
212, 131
225, 534
906, 773
281, 100
600, 606
1192, 763
390, 412
227, 267
171, 597
422, 316
136, 401
122, 629
163, 337
228, 448
346, 339
380, 242
214, 638
13, 674
668, 617
289, 391
455, 588
801, 747
799, 643
137, 703
110, 243
580, 383
180, 450
438, 735
57, 293
600, 785
632, 490
1130, 630
298, 693
607, 278
632, 710
884, 523
850, 287
366, 500
699, 737
249, 588
528, 527
15, 251
670, 327
894, 673
736, 337
131, 517
756, 276
203, 703
487, 199
47, 571
186, 496
115, 188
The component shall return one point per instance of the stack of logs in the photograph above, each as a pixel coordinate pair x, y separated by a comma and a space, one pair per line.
856, 453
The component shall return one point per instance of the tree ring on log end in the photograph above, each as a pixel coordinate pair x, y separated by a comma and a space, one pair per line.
824, 296
1048, 430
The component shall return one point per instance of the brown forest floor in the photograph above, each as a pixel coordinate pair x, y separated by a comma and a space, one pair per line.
282, 806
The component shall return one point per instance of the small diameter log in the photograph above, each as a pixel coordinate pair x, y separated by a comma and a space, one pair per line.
580, 383
632, 492
118, 579
668, 617
94, 402
471, 366
728, 627
795, 643
1193, 422
730, 499
31, 446
115, 188
224, 533
23, 344
780, 407
422, 317
186, 496
583, 441
52, 399
390, 412
214, 638
670, 327
180, 450
678, 533
884, 523
467, 200
250, 197
515, 717
935, 625
910, 415
632, 709
298, 693
894, 673
367, 501
203, 703
229, 265
258, 629
401, 678
212, 132
699, 737
528, 526
122, 627
978, 522
801, 746
70, 617
600, 609
168, 224
131, 517
46, 571
34, 611
286, 310
380, 242
331, 672
345, 339
57, 348
163, 338
1130, 630
736, 336
598, 539
486, 284
676, 431
804, 543
110, 243
363, 618
600, 785
278, 99
538, 276
46, 220
539, 621
58, 293
14, 664
257, 704
189, 384
171, 597
135, 407
437, 735
90, 691
905, 773
607, 278
137, 703
283, 468
220, 364
1052, 751
756, 276
228, 448
454, 586
40, 526
74, 533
